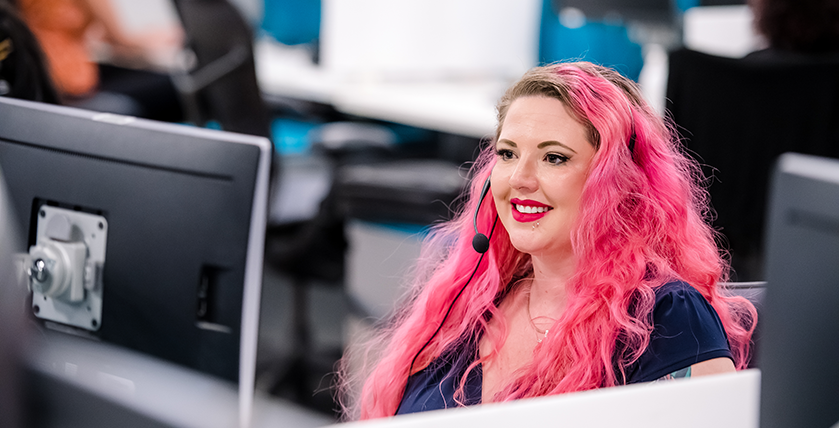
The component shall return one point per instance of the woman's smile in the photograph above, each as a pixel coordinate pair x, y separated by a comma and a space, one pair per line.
527, 210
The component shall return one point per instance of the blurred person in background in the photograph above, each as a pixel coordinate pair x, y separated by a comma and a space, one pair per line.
67, 31
803, 27
23, 70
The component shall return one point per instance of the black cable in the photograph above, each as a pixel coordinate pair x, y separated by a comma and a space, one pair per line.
411, 368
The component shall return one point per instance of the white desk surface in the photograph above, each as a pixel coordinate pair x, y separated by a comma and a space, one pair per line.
461, 107
721, 401
288, 71
464, 107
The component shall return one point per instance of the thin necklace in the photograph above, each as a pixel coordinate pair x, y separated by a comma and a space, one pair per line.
541, 335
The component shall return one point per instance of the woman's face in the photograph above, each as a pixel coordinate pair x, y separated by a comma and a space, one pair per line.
543, 159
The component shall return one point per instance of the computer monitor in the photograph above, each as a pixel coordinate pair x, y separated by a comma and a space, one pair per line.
141, 234
647, 21
800, 340
722, 2
643, 11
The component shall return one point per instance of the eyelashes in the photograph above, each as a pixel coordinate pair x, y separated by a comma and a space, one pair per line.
551, 158
504, 154
556, 158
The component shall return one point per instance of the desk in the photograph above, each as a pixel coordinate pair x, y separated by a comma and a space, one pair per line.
462, 107
721, 401
289, 72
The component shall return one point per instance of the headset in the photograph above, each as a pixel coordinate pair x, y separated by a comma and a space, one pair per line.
480, 243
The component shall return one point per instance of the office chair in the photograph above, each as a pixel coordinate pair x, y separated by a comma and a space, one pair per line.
754, 292
370, 181
220, 85
737, 116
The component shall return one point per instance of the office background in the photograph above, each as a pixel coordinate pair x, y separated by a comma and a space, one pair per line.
369, 101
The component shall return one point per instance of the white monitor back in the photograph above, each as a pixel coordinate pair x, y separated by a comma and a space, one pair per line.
728, 400
429, 39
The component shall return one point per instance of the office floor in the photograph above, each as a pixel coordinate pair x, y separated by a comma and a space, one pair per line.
327, 308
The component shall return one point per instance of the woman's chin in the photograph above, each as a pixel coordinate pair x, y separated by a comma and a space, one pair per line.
528, 245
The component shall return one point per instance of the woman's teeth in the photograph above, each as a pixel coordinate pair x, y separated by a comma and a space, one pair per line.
526, 209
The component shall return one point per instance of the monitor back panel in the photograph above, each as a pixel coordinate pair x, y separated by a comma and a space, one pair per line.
178, 202
800, 331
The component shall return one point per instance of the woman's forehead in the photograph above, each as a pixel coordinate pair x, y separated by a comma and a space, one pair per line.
541, 119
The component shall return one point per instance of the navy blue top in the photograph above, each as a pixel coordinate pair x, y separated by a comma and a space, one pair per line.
686, 331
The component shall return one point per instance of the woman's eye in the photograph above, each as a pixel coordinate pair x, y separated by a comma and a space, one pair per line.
504, 154
556, 158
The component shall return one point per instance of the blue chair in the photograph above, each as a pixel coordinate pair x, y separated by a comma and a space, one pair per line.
292, 22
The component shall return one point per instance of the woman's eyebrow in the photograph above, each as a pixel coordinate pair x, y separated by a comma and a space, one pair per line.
507, 142
540, 146
544, 144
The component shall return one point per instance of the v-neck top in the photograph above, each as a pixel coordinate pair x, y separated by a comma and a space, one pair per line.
686, 331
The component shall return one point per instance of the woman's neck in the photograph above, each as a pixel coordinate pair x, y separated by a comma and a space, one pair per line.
548, 289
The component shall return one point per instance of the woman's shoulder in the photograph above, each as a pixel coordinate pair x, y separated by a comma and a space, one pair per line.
686, 331
675, 290
680, 307
673, 285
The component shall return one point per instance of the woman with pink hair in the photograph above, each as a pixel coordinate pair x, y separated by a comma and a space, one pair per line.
597, 267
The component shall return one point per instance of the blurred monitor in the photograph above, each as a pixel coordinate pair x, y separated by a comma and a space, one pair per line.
647, 22
142, 235
649, 12
800, 332
722, 2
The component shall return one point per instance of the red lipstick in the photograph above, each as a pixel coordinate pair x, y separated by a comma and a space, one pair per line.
525, 217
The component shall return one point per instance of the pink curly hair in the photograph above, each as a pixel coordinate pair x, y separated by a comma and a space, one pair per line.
642, 224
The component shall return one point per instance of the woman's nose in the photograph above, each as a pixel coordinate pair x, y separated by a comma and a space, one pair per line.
524, 177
